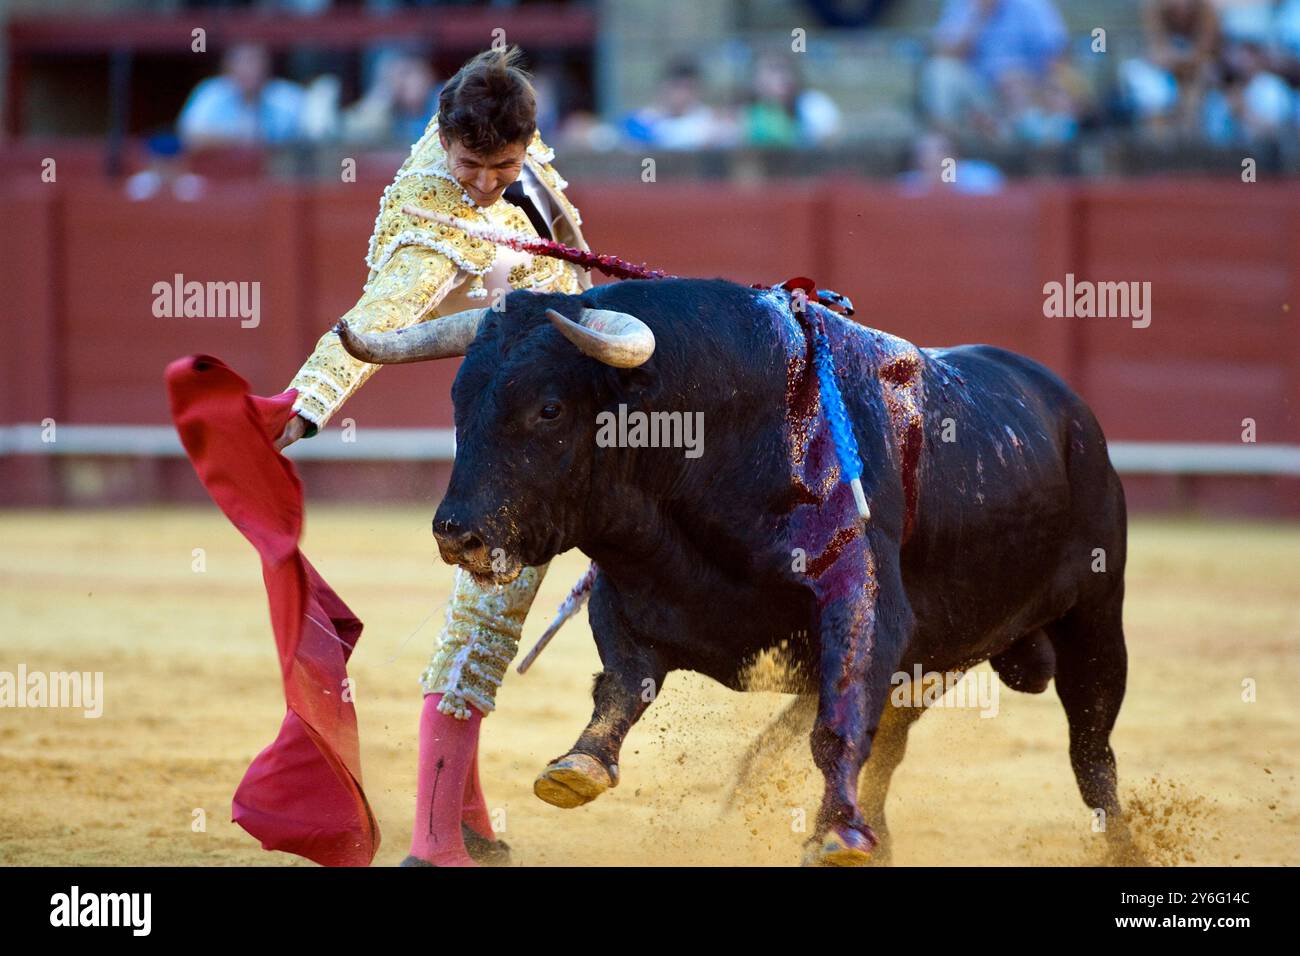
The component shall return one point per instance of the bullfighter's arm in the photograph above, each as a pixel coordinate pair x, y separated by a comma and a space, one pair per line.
405, 290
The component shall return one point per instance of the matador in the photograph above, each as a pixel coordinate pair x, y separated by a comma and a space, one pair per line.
481, 159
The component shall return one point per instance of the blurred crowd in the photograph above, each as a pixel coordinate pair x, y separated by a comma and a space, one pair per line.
776, 109
1001, 70
246, 105
1228, 74
1222, 72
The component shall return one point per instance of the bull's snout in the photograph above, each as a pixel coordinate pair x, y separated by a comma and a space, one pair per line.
460, 545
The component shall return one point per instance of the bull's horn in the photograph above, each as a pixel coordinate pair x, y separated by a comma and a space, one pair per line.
445, 337
615, 338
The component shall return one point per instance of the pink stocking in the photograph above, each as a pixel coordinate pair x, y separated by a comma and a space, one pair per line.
448, 748
475, 812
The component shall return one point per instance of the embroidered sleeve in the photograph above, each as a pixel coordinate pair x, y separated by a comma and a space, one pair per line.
406, 290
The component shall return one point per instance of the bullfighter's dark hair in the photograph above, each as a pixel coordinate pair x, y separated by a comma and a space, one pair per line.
490, 103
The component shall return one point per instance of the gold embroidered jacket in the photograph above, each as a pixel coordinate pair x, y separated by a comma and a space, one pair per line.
420, 270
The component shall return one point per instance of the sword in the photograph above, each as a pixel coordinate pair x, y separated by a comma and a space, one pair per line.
615, 266
522, 242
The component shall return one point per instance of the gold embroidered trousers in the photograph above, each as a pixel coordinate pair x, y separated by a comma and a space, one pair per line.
479, 639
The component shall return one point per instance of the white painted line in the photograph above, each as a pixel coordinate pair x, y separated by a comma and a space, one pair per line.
1191, 458
439, 444
161, 441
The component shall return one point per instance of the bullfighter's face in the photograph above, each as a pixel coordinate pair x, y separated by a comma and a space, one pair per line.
483, 176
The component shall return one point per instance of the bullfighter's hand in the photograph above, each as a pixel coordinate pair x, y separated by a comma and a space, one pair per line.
294, 429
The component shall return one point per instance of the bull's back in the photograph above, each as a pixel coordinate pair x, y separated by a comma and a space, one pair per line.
1012, 397
995, 431
1015, 472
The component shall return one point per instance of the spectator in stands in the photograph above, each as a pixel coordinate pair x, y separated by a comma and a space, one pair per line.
780, 111
1285, 37
1272, 25
399, 104
1247, 19
1044, 113
244, 105
165, 173
985, 50
935, 168
1166, 88
680, 119
318, 118
1254, 104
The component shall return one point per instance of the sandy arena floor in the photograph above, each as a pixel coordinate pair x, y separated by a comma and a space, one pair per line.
192, 694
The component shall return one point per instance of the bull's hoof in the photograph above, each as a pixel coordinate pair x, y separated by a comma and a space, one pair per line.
416, 861
842, 846
572, 780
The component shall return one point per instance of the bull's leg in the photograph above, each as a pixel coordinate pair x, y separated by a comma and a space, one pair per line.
622, 692
1091, 671
887, 750
862, 639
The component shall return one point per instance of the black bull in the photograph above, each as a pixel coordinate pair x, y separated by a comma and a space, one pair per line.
997, 528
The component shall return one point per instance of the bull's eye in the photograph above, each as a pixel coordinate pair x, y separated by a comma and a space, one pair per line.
551, 411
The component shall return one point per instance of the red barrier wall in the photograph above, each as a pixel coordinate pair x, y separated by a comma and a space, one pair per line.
1224, 342
84, 347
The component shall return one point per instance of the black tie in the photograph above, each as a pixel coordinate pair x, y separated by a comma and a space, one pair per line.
516, 196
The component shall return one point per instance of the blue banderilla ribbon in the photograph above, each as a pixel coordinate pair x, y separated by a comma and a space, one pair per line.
804, 293
837, 416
